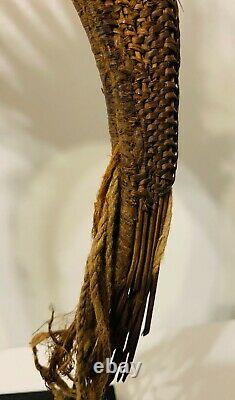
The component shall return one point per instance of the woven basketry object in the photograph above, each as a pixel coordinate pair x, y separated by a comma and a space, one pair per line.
136, 47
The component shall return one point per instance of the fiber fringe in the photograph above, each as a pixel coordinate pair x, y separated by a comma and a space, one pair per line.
105, 326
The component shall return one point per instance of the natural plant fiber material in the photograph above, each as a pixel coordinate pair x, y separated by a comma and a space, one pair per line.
136, 47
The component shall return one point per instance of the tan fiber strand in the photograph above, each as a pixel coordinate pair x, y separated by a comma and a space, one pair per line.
164, 236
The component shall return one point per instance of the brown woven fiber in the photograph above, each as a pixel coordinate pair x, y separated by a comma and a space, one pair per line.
136, 47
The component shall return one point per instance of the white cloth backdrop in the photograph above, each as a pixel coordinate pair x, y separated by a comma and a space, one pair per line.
53, 151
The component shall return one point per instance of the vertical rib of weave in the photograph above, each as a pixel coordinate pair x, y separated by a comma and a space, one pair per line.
136, 47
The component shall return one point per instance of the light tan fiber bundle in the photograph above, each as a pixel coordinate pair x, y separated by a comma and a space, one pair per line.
136, 47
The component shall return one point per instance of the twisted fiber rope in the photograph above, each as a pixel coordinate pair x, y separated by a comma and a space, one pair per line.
136, 47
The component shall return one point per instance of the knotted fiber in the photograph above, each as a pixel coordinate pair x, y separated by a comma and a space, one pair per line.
136, 47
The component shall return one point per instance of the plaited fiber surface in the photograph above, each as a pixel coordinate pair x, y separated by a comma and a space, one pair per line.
136, 47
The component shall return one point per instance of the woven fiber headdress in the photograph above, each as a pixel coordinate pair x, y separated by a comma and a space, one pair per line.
136, 47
